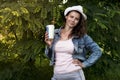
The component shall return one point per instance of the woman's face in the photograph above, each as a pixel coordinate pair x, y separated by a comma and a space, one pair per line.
72, 19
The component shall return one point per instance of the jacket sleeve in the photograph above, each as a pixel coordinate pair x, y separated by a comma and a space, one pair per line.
48, 49
48, 52
95, 51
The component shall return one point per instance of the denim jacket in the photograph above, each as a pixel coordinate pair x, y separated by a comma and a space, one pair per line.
85, 49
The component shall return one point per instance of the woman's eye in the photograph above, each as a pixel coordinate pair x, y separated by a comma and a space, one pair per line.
71, 16
77, 19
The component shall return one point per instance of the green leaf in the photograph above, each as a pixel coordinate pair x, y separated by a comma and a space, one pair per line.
24, 10
44, 13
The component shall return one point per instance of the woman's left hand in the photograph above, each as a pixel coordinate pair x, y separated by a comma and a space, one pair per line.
77, 62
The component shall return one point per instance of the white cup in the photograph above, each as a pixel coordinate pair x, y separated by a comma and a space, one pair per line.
50, 30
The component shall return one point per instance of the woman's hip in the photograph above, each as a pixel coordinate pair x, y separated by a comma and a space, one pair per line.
75, 75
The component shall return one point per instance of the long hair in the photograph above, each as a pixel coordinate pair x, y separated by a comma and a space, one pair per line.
80, 29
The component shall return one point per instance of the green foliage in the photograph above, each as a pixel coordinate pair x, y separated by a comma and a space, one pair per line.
25, 23
16, 70
22, 27
104, 69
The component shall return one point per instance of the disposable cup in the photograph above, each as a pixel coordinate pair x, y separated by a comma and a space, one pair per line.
50, 30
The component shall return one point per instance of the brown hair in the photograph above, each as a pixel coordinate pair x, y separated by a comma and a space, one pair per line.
80, 29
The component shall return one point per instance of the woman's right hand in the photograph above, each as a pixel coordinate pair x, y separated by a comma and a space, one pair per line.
77, 63
47, 40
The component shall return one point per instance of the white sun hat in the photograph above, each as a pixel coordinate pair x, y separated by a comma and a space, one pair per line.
78, 8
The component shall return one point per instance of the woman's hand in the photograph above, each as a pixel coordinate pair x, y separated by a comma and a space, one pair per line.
47, 40
77, 63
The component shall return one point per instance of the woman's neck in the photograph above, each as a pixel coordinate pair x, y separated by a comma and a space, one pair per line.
65, 33
67, 29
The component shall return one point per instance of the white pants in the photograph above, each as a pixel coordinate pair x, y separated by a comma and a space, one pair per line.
77, 75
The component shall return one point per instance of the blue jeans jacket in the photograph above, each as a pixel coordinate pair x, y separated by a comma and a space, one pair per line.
85, 49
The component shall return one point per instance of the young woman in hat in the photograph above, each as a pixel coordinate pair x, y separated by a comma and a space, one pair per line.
67, 51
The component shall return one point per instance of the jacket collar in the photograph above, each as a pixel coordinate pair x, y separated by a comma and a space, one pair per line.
57, 31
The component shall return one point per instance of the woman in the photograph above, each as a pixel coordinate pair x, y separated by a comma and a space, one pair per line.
67, 51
